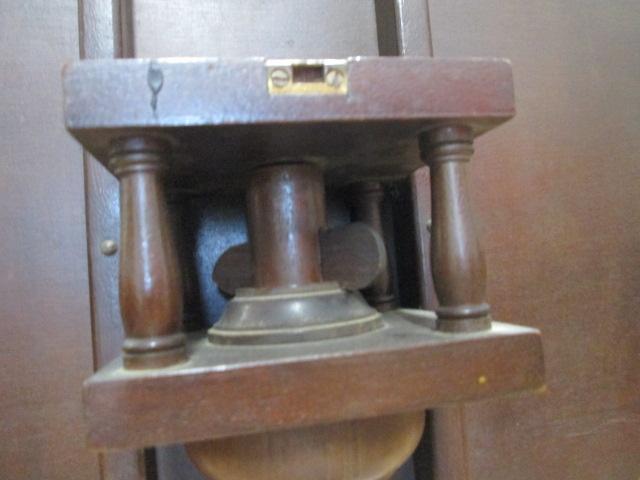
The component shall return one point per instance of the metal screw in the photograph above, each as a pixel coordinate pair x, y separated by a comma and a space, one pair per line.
334, 78
108, 247
279, 77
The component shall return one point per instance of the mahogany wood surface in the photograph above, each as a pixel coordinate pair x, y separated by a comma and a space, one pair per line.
458, 267
237, 389
557, 199
365, 449
196, 27
45, 317
284, 216
555, 195
101, 37
227, 123
150, 287
366, 201
228, 28
353, 255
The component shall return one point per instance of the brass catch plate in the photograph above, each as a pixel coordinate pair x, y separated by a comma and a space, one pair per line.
307, 77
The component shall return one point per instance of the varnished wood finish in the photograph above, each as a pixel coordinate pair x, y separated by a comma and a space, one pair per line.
370, 449
100, 38
440, 451
286, 212
421, 199
413, 28
227, 122
457, 259
352, 255
188, 27
557, 200
284, 215
252, 28
236, 390
150, 279
45, 316
367, 198
408, 117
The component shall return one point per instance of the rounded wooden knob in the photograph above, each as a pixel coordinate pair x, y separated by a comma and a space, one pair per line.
368, 449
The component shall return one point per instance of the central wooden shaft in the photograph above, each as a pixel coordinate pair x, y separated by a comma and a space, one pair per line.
285, 213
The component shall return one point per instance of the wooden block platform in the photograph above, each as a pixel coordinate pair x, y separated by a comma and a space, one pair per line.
233, 390
225, 118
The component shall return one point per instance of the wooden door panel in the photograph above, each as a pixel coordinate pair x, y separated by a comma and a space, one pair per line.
558, 199
228, 28
45, 318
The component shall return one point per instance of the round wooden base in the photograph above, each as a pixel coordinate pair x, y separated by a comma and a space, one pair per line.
365, 449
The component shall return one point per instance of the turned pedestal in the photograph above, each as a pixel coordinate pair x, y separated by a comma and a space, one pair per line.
457, 259
150, 289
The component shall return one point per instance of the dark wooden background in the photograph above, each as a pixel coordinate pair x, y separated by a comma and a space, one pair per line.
557, 195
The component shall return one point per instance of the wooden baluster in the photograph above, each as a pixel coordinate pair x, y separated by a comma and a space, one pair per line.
150, 289
367, 201
459, 271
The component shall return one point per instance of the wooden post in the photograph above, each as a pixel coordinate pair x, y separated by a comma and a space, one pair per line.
150, 289
285, 207
458, 265
367, 198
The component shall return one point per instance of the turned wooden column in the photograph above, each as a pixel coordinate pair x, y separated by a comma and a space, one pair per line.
457, 259
366, 199
150, 287
285, 204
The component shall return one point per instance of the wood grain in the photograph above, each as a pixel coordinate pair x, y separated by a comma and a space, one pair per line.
46, 319
103, 223
372, 448
236, 390
368, 206
150, 288
222, 28
101, 37
557, 198
352, 255
220, 113
228, 28
283, 217
457, 258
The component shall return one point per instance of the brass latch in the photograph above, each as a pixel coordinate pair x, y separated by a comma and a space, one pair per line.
307, 77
